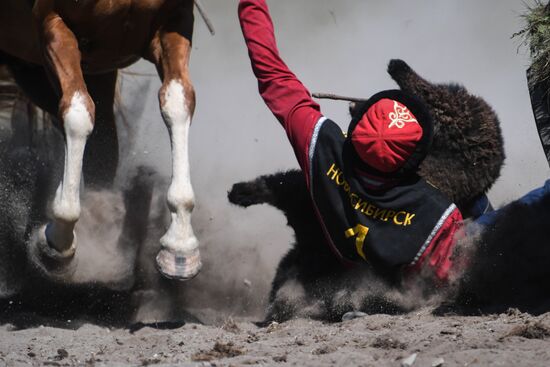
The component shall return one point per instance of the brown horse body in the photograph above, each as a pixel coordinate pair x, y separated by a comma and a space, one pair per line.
81, 44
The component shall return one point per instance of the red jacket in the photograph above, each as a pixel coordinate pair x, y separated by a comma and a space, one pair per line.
292, 105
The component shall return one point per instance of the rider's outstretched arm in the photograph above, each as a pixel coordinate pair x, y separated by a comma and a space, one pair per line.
283, 93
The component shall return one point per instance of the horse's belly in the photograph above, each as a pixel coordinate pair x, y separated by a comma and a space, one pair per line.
112, 43
103, 62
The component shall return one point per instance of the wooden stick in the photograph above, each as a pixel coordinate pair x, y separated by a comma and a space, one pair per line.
336, 97
202, 12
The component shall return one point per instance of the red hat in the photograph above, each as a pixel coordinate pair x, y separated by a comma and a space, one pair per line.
392, 133
386, 135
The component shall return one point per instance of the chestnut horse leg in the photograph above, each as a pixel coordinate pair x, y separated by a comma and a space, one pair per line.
179, 257
56, 241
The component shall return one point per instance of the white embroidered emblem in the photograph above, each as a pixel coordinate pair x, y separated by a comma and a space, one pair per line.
400, 116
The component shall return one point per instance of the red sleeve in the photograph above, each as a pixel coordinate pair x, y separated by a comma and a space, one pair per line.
283, 93
437, 256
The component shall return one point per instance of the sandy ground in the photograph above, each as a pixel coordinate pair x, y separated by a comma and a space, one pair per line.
508, 339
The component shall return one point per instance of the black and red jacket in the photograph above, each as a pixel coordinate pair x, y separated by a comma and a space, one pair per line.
432, 220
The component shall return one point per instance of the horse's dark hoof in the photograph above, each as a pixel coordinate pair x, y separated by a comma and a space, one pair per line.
179, 265
55, 265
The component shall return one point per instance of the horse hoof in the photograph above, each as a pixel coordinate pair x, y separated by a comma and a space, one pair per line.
56, 265
179, 265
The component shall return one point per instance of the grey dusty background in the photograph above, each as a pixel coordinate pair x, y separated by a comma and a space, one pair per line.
333, 46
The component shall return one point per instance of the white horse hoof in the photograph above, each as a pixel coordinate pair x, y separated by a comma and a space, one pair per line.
58, 266
179, 265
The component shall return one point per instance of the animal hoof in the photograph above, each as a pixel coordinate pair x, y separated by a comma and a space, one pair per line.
246, 194
397, 66
59, 266
179, 265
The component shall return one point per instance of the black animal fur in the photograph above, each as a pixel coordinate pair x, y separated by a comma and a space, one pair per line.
464, 161
467, 151
507, 267
287, 192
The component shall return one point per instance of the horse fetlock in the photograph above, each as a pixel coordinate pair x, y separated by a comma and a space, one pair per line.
180, 236
180, 199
